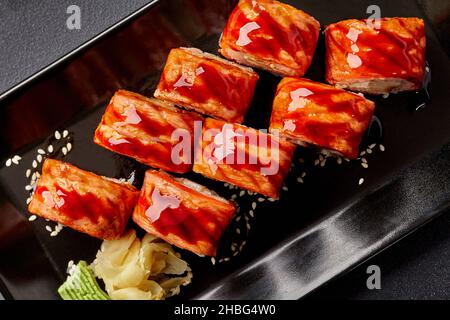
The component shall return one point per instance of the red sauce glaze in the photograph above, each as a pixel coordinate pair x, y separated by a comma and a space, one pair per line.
233, 93
384, 53
271, 38
335, 101
75, 206
185, 223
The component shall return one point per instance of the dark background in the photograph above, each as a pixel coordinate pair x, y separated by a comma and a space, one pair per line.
33, 34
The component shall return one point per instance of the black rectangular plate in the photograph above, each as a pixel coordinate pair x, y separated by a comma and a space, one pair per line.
318, 230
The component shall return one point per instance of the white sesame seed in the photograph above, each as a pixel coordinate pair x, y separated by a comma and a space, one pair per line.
233, 197
225, 184
16, 159
251, 213
347, 159
53, 234
373, 145
316, 162
242, 193
28, 187
363, 153
271, 199
299, 180
364, 165
213, 260
69, 146
339, 160
65, 133
235, 254
34, 164
361, 181
50, 148
28, 200
238, 231
285, 188
39, 158
254, 205
382, 148
323, 162
363, 160
261, 199
64, 150
32, 218
8, 162
238, 218
40, 151
226, 259
303, 174
48, 228
28, 173
369, 151
248, 226
57, 135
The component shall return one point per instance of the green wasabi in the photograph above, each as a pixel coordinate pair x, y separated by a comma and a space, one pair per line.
81, 285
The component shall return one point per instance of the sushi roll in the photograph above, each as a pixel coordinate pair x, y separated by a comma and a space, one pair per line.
147, 130
242, 156
207, 84
376, 59
312, 113
182, 212
272, 36
83, 201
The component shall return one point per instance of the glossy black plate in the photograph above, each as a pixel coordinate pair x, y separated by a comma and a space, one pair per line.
319, 229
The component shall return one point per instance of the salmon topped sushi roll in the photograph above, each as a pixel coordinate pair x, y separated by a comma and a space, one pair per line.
270, 35
312, 113
242, 156
83, 201
182, 212
207, 84
373, 57
147, 130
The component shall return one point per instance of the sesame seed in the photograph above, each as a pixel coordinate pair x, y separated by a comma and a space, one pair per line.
363, 153
28, 187
238, 218
248, 226
251, 213
57, 135
226, 259
285, 188
69, 146
64, 150
373, 145
225, 184
271, 199
242, 193
48, 228
364, 165
347, 159
320, 157
213, 260
233, 197
50, 148
316, 162
28, 173
32, 218
53, 234
254, 205
322, 164
361, 181
339, 160
303, 174
34, 164
369, 151
40, 151
261, 199
39, 158
233, 247
235, 254
65, 133
8, 162
364, 160
299, 180
382, 148
238, 231
28, 200
16, 159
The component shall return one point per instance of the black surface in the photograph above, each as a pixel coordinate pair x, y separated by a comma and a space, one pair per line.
387, 261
